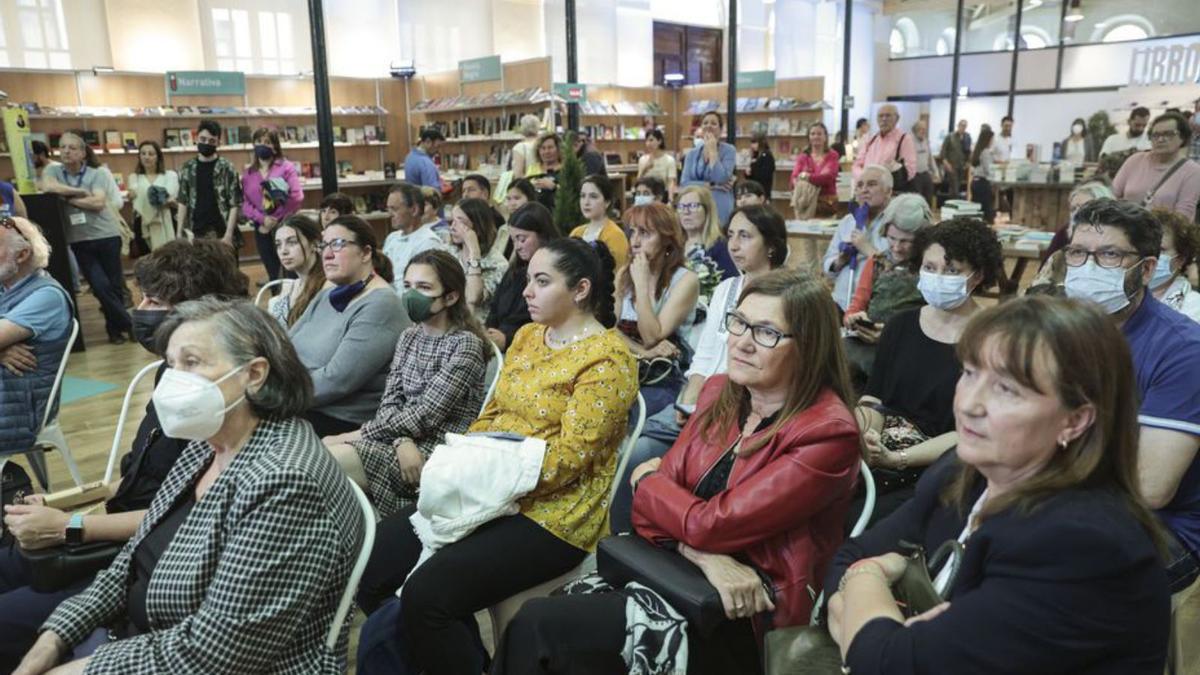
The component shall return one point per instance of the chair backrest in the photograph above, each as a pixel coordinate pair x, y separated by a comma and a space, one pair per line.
492, 374
116, 444
267, 289
62, 371
364, 554
859, 525
625, 449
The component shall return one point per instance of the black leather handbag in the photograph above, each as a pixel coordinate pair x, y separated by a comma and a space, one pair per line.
54, 569
624, 558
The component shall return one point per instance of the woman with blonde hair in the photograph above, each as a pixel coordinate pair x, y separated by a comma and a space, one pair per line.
524, 153
701, 224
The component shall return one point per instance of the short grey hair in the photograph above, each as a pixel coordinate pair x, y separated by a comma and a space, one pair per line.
1093, 190
530, 125
885, 176
908, 212
28, 237
246, 332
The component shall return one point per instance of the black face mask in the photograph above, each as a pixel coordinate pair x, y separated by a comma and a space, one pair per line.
206, 149
145, 323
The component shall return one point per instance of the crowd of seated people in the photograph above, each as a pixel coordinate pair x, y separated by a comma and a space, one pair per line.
1077, 487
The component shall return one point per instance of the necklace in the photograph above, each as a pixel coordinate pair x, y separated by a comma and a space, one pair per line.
558, 343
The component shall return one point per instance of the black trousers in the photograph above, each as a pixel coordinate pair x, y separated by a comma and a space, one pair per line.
981, 193
100, 262
584, 635
495, 562
267, 253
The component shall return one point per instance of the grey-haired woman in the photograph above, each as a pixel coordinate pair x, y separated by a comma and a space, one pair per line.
248, 545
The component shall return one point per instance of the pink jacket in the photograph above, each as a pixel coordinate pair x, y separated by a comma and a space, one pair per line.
823, 174
252, 191
882, 150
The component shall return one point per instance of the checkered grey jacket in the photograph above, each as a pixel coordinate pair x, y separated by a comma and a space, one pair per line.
252, 578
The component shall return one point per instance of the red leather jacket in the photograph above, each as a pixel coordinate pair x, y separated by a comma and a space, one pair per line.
784, 510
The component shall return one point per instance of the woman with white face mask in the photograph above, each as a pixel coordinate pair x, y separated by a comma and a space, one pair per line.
906, 411
1078, 147
1180, 245
252, 535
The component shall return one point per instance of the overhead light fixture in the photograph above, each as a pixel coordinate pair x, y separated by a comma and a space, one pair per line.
964, 92
403, 69
1075, 13
1033, 3
96, 70
675, 80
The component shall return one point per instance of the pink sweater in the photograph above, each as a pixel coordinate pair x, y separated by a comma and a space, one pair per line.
823, 174
1139, 174
252, 191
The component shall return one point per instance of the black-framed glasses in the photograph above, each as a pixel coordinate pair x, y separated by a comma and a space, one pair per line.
763, 335
1164, 135
1076, 256
336, 244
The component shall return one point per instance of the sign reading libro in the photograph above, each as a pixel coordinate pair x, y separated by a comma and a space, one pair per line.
482, 69
1174, 64
206, 83
571, 93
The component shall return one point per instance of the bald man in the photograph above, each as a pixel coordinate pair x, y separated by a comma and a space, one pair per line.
890, 148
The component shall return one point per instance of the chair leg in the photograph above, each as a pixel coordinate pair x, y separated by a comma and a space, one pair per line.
37, 461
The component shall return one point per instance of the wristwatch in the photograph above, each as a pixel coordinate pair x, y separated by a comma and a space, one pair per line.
474, 264
75, 529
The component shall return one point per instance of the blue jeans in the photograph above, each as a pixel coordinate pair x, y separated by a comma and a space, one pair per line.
657, 437
100, 262
23, 610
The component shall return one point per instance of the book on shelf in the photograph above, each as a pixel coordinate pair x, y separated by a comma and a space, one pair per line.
289, 134
389, 170
310, 133
338, 134
370, 132
345, 167
171, 138
186, 137
245, 133
112, 139
130, 140
232, 137
92, 138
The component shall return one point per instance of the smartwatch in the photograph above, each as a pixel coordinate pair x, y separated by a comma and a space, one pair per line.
75, 530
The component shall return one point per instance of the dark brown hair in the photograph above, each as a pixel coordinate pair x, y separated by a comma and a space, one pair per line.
480, 213
1070, 337
339, 202
158, 153
310, 234
817, 352
272, 138
364, 236
182, 270
454, 280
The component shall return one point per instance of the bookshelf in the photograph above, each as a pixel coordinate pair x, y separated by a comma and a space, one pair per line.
783, 112
480, 120
616, 117
137, 106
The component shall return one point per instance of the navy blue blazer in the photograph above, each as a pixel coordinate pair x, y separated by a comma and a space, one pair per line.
1076, 586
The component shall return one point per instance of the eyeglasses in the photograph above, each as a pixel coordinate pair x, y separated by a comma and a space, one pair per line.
1076, 256
898, 241
689, 208
336, 244
764, 335
10, 224
1163, 135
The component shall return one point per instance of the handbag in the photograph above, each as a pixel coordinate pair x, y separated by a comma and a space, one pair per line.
624, 558
804, 199
14, 486
59, 567
157, 196
810, 650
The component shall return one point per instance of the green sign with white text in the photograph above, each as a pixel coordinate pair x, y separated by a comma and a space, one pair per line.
479, 70
756, 79
571, 93
206, 83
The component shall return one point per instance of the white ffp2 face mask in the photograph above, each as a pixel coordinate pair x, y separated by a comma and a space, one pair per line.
943, 291
1104, 286
190, 406
642, 200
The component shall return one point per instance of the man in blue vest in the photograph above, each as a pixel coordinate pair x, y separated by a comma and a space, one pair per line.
35, 322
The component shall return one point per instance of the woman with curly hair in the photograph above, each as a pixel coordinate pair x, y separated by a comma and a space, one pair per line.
1180, 246
906, 411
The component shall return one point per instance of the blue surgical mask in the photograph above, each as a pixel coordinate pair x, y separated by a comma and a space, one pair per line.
642, 200
1104, 286
264, 152
1162, 271
943, 291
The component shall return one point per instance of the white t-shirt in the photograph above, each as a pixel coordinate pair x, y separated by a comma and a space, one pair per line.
1120, 142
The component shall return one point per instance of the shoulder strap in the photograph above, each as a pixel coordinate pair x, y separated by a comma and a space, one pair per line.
902, 137
1166, 176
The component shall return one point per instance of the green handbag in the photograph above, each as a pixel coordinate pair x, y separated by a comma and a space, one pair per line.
810, 650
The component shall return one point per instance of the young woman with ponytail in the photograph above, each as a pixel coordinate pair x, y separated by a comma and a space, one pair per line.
348, 333
568, 379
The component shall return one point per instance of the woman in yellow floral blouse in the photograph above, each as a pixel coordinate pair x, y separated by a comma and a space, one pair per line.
569, 379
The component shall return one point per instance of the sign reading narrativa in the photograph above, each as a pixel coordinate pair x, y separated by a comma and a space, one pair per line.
206, 82
1174, 64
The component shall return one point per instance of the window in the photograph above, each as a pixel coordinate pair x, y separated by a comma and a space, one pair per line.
275, 44
3, 45
231, 39
945, 44
1031, 38
43, 34
1122, 28
691, 50
904, 40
